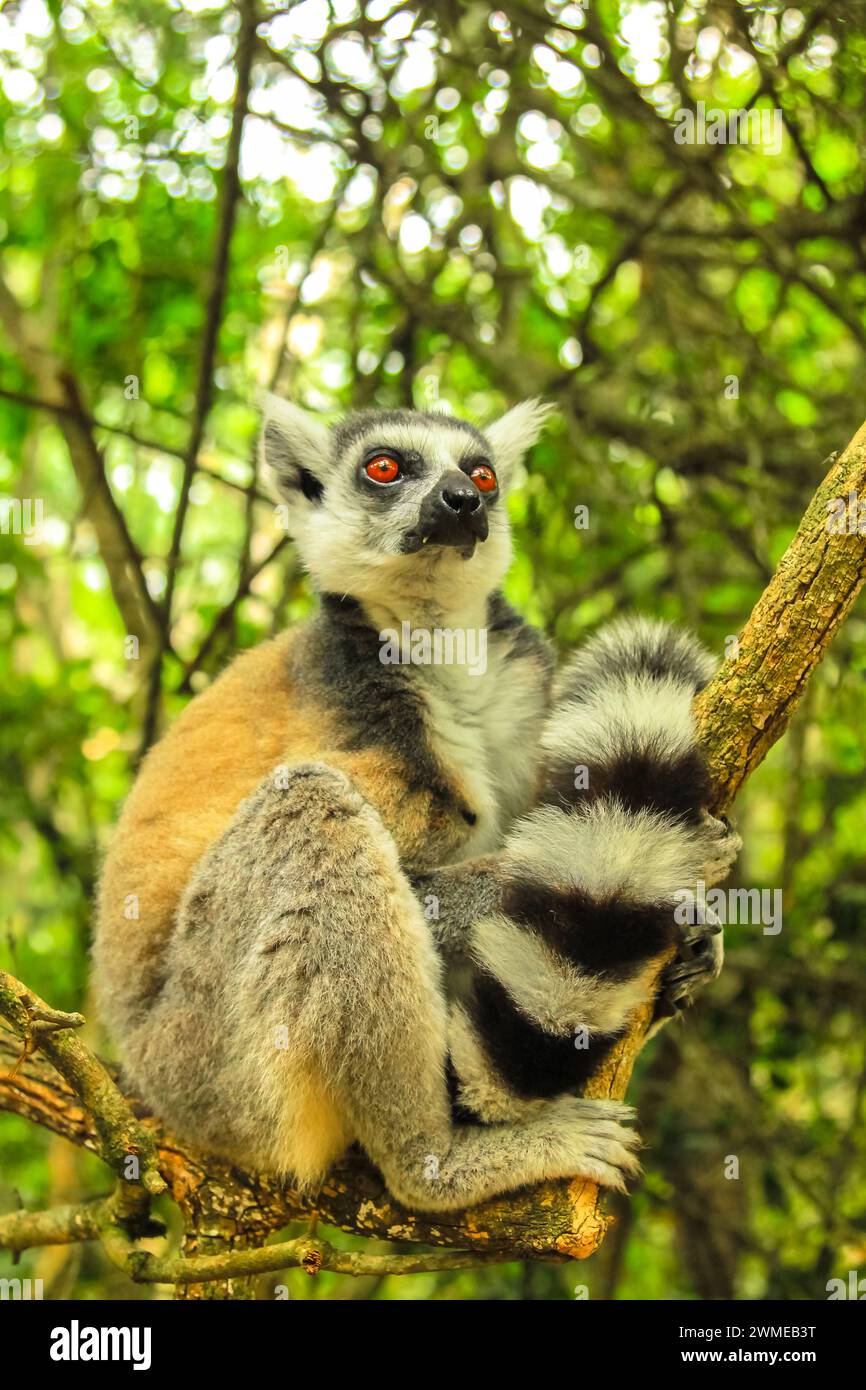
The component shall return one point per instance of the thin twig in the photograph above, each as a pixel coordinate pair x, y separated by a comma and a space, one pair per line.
313, 1256
121, 1136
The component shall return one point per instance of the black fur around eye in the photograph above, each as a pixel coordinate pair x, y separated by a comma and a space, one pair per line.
475, 463
383, 468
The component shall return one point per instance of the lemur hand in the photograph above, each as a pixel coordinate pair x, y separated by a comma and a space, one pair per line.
696, 964
723, 844
699, 959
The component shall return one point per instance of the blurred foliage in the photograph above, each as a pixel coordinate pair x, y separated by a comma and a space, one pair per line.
456, 206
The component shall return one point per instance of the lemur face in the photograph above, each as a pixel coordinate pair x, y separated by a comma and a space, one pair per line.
399, 498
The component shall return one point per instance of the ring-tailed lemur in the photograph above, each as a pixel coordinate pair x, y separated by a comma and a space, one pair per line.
357, 894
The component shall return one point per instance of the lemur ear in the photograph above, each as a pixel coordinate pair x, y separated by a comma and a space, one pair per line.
515, 432
296, 446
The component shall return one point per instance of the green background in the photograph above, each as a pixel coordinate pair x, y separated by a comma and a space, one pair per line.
456, 206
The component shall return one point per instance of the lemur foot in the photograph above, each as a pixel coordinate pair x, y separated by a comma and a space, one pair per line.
723, 844
601, 1144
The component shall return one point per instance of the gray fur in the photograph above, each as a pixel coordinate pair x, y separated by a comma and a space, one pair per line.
270, 939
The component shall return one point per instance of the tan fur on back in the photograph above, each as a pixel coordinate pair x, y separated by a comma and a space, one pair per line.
227, 740
253, 719
190, 785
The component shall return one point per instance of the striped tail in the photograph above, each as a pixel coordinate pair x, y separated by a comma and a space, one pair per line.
589, 877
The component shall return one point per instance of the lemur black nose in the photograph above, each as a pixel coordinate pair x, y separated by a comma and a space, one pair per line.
450, 514
462, 498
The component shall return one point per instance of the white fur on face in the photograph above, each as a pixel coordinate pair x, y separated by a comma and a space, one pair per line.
352, 542
428, 587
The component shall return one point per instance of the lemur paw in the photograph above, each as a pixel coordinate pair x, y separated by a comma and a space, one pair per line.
701, 952
697, 962
721, 844
601, 1146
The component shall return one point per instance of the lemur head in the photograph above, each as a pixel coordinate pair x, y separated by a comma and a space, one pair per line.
398, 502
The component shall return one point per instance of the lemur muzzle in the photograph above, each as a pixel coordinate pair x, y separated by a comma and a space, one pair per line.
453, 513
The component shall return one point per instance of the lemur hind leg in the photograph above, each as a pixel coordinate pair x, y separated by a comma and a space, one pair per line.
332, 1014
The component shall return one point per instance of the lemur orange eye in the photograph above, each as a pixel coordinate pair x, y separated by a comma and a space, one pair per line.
382, 469
484, 478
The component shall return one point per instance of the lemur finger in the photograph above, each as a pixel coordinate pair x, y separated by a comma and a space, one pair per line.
722, 845
686, 971
604, 1176
608, 1130
685, 978
592, 1108
617, 1151
604, 1144
615, 1148
700, 955
701, 940
609, 1168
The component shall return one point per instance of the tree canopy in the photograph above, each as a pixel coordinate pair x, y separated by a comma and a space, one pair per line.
452, 206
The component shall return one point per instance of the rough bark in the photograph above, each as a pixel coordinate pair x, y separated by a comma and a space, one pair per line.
748, 705
741, 714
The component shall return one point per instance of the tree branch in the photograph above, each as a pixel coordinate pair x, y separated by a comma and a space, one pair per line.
60, 394
119, 1133
314, 1256
748, 705
230, 195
